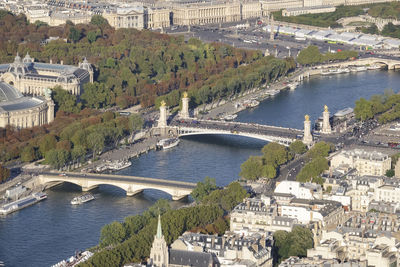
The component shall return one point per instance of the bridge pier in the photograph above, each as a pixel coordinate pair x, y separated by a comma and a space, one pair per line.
88, 188
132, 193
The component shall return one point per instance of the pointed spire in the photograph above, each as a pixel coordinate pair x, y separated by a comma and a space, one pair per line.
159, 230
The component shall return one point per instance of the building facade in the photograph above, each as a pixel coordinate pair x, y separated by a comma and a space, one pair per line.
23, 111
365, 162
34, 78
126, 17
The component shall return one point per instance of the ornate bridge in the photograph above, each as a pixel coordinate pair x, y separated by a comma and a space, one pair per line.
284, 136
131, 184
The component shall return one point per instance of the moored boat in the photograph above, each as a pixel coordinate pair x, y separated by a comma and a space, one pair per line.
167, 143
22, 203
230, 117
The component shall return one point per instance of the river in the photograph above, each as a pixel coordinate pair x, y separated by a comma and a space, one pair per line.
53, 230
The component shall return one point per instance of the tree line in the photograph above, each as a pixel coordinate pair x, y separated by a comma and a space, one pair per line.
311, 56
130, 241
131, 66
385, 107
69, 138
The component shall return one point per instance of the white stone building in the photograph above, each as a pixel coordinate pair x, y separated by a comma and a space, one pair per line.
365, 162
300, 190
33, 78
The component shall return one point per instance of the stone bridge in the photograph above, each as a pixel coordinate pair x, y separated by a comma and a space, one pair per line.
391, 63
131, 184
284, 136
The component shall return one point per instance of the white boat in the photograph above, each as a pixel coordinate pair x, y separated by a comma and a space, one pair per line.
335, 71
119, 165
252, 103
22, 203
167, 143
82, 199
74, 260
272, 92
293, 85
230, 117
374, 67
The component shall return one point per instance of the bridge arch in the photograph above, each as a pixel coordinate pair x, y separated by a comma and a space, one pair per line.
130, 189
283, 141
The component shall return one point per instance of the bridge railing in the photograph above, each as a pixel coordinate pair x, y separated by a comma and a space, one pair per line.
249, 124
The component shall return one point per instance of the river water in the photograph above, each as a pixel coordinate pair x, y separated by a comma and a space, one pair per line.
53, 230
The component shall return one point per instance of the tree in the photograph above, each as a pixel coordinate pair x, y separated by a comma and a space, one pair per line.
297, 147
309, 56
74, 34
47, 143
275, 154
4, 173
112, 234
95, 142
99, 21
28, 154
294, 243
78, 153
363, 109
92, 36
203, 189
252, 169
312, 170
65, 101
321, 149
389, 173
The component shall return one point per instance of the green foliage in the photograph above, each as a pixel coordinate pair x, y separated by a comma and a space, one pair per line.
28, 154
65, 101
322, 19
385, 10
112, 234
297, 147
96, 95
294, 243
226, 198
373, 29
329, 189
95, 141
74, 34
203, 189
312, 170
99, 21
267, 165
252, 169
389, 173
57, 158
47, 143
311, 55
386, 107
4, 172
321, 149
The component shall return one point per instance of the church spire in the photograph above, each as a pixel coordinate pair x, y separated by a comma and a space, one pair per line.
159, 230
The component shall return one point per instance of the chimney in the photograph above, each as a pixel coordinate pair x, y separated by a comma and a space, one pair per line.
62, 62
212, 241
248, 203
223, 242
51, 61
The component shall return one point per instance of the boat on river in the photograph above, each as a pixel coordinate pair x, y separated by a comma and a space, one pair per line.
230, 117
82, 199
293, 85
272, 92
74, 260
22, 203
119, 165
335, 71
167, 143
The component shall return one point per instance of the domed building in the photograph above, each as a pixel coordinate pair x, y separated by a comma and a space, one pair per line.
30, 77
24, 111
